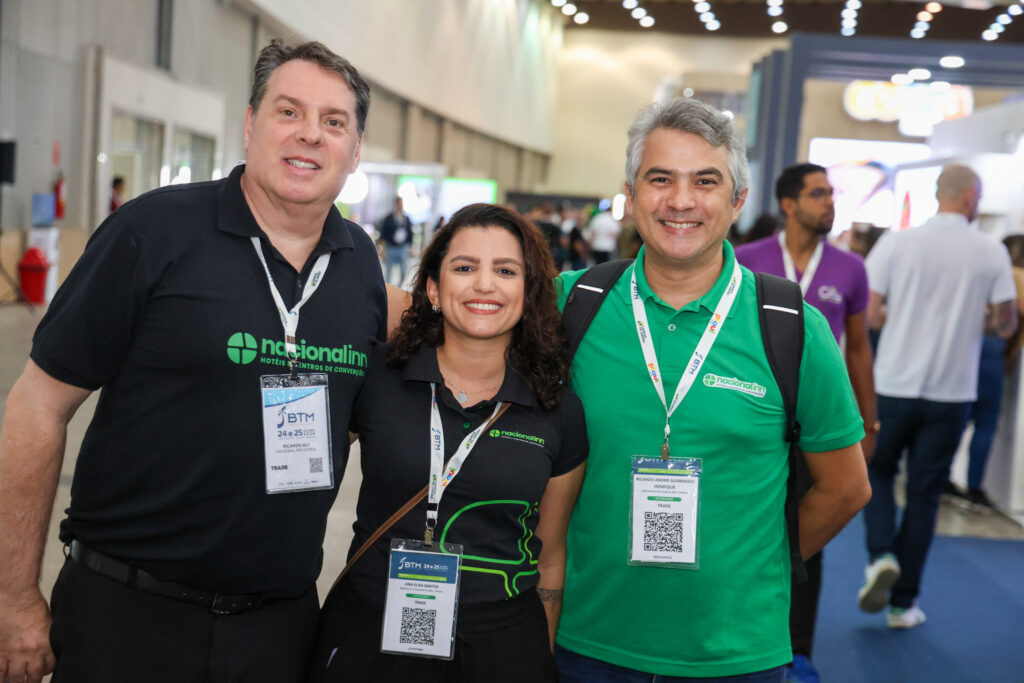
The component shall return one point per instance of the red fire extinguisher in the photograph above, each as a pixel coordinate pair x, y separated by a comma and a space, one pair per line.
60, 195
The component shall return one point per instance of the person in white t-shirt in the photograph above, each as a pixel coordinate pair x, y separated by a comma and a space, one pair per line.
603, 234
935, 281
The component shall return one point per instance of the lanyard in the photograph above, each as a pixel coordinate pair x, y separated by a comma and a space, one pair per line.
700, 354
290, 318
812, 265
438, 483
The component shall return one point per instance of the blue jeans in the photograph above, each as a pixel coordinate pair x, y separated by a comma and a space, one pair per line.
985, 411
396, 256
930, 432
576, 668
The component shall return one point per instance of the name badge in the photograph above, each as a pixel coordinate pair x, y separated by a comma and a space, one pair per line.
664, 512
296, 432
422, 600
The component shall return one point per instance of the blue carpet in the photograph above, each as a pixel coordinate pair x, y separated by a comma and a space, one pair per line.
973, 594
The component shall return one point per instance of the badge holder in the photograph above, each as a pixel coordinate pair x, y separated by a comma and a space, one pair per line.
296, 432
422, 600
664, 512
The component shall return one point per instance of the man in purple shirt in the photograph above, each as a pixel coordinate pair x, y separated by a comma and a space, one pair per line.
834, 282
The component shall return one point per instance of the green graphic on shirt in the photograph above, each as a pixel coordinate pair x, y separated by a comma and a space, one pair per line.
525, 555
242, 348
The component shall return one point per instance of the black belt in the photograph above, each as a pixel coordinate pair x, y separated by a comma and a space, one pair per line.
134, 577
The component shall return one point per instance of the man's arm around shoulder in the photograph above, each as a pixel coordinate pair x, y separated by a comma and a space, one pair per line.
840, 490
31, 452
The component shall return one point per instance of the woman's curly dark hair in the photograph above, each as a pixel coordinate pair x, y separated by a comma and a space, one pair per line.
537, 350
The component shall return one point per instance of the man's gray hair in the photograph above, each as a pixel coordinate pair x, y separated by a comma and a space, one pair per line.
688, 116
954, 180
278, 52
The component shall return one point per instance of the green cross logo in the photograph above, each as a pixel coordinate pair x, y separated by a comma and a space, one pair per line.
495, 433
242, 348
709, 380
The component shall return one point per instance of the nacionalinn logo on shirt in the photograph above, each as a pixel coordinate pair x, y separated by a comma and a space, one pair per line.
517, 436
717, 382
243, 349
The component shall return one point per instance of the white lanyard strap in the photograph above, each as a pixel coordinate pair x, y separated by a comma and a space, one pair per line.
700, 354
439, 479
812, 265
290, 318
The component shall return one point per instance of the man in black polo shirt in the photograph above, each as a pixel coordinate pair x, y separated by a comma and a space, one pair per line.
202, 487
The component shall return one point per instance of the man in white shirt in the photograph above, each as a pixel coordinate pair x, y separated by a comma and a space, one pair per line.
936, 281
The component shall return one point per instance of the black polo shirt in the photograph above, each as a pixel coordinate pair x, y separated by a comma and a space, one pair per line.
169, 311
491, 506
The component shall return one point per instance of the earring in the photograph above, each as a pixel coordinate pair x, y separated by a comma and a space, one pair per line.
436, 308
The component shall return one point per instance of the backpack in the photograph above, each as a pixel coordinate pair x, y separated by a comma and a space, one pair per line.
781, 313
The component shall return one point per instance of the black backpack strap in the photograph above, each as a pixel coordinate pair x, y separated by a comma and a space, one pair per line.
585, 298
780, 306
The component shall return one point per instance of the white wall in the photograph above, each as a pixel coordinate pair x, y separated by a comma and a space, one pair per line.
490, 65
605, 77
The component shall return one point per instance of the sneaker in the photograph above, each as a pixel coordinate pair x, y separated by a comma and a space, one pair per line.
879, 577
979, 500
953, 494
904, 617
801, 671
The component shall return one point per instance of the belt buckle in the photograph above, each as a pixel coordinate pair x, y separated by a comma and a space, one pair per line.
222, 605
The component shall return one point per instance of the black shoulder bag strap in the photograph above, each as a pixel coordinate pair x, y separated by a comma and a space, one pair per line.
780, 306
585, 298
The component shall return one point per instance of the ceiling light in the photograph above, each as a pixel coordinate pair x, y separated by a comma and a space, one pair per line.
569, 9
1004, 19
638, 13
922, 26
916, 33
705, 17
779, 27
581, 18
853, 4
847, 31
701, 7
1014, 10
901, 79
920, 74
951, 62
558, 3
989, 35
848, 14
998, 28
933, 7
713, 25
849, 23
774, 3
630, 4
774, 11
687, 92
728, 114
924, 16
647, 21
940, 86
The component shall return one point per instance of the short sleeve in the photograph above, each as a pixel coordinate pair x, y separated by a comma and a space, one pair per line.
858, 300
563, 285
86, 334
878, 265
574, 444
826, 408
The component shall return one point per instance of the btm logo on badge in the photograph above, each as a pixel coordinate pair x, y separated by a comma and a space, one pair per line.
293, 418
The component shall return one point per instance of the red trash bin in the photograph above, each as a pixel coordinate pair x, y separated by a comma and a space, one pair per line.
32, 271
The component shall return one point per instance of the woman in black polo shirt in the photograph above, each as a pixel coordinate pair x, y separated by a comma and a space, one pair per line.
479, 355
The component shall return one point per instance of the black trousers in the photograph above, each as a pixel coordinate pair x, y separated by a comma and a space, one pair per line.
104, 631
803, 607
497, 642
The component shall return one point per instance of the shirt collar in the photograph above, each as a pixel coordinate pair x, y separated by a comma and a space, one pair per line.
235, 217
953, 218
422, 367
708, 302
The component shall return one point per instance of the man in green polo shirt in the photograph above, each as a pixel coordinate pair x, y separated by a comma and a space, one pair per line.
678, 556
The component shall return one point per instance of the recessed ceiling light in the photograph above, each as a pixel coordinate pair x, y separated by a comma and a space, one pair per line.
901, 79
848, 31
920, 74
779, 27
713, 25
558, 3
1004, 19
774, 11
940, 86
569, 9
630, 4
951, 62
849, 23
705, 17
1014, 10
701, 7
848, 14
581, 18
774, 3
647, 21
922, 26
916, 34
687, 92
998, 28
924, 16
638, 13
989, 35
933, 7
853, 4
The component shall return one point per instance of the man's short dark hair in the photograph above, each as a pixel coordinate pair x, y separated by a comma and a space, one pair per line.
118, 180
791, 180
278, 52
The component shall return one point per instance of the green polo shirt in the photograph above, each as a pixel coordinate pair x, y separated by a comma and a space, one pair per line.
731, 616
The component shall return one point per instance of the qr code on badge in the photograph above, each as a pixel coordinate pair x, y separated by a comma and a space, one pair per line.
418, 626
663, 532
316, 465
